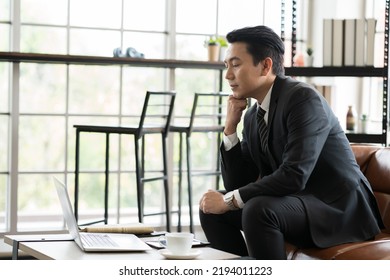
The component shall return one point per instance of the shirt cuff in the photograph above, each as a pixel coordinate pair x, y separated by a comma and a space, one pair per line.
229, 141
238, 198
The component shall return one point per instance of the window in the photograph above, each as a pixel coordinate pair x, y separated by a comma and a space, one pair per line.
5, 27
50, 98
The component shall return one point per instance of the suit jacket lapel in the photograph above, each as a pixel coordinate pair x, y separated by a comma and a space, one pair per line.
254, 136
276, 89
274, 100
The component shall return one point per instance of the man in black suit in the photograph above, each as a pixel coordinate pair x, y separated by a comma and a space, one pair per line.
294, 178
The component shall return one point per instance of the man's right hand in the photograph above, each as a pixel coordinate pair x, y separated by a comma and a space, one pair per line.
235, 107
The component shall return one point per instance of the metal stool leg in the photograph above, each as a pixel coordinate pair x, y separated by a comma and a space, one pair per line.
166, 185
76, 176
189, 178
77, 173
138, 166
107, 169
180, 176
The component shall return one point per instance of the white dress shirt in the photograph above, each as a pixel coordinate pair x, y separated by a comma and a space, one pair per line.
229, 141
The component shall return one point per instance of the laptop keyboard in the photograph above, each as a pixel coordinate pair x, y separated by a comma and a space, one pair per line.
97, 240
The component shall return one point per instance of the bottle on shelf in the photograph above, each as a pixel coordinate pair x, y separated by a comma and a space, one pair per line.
363, 123
351, 119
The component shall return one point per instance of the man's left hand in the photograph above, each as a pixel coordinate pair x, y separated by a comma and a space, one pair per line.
212, 203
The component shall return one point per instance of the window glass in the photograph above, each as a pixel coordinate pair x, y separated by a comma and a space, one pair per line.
196, 16
38, 39
189, 81
42, 88
152, 45
3, 198
4, 144
41, 143
128, 197
4, 42
92, 145
233, 16
38, 204
371, 104
376, 9
5, 10
191, 47
96, 13
271, 16
372, 98
144, 15
94, 89
33, 11
4, 87
136, 81
91, 197
93, 42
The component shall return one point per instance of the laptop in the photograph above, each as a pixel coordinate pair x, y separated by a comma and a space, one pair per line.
96, 242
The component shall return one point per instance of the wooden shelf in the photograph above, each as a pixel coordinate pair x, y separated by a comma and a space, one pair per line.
366, 138
193, 64
349, 71
101, 60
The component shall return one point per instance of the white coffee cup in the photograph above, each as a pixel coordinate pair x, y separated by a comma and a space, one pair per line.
178, 243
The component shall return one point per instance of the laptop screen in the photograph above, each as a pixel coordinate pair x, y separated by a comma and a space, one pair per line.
67, 209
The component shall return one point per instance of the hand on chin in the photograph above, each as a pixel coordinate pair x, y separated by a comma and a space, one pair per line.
236, 94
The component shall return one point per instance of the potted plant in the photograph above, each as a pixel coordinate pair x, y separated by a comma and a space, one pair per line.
222, 47
212, 45
309, 57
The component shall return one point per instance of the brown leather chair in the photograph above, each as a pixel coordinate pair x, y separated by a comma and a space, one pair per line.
374, 161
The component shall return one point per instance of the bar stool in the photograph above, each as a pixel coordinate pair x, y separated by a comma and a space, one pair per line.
207, 115
155, 119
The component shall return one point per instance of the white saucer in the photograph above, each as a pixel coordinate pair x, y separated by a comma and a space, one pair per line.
192, 254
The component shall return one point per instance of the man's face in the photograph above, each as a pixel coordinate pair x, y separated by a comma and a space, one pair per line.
245, 79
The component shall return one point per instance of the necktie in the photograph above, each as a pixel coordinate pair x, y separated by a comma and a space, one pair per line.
262, 128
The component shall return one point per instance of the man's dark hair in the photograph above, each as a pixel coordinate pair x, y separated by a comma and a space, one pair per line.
262, 42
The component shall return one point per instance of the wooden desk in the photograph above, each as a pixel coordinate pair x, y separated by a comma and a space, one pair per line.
50, 249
